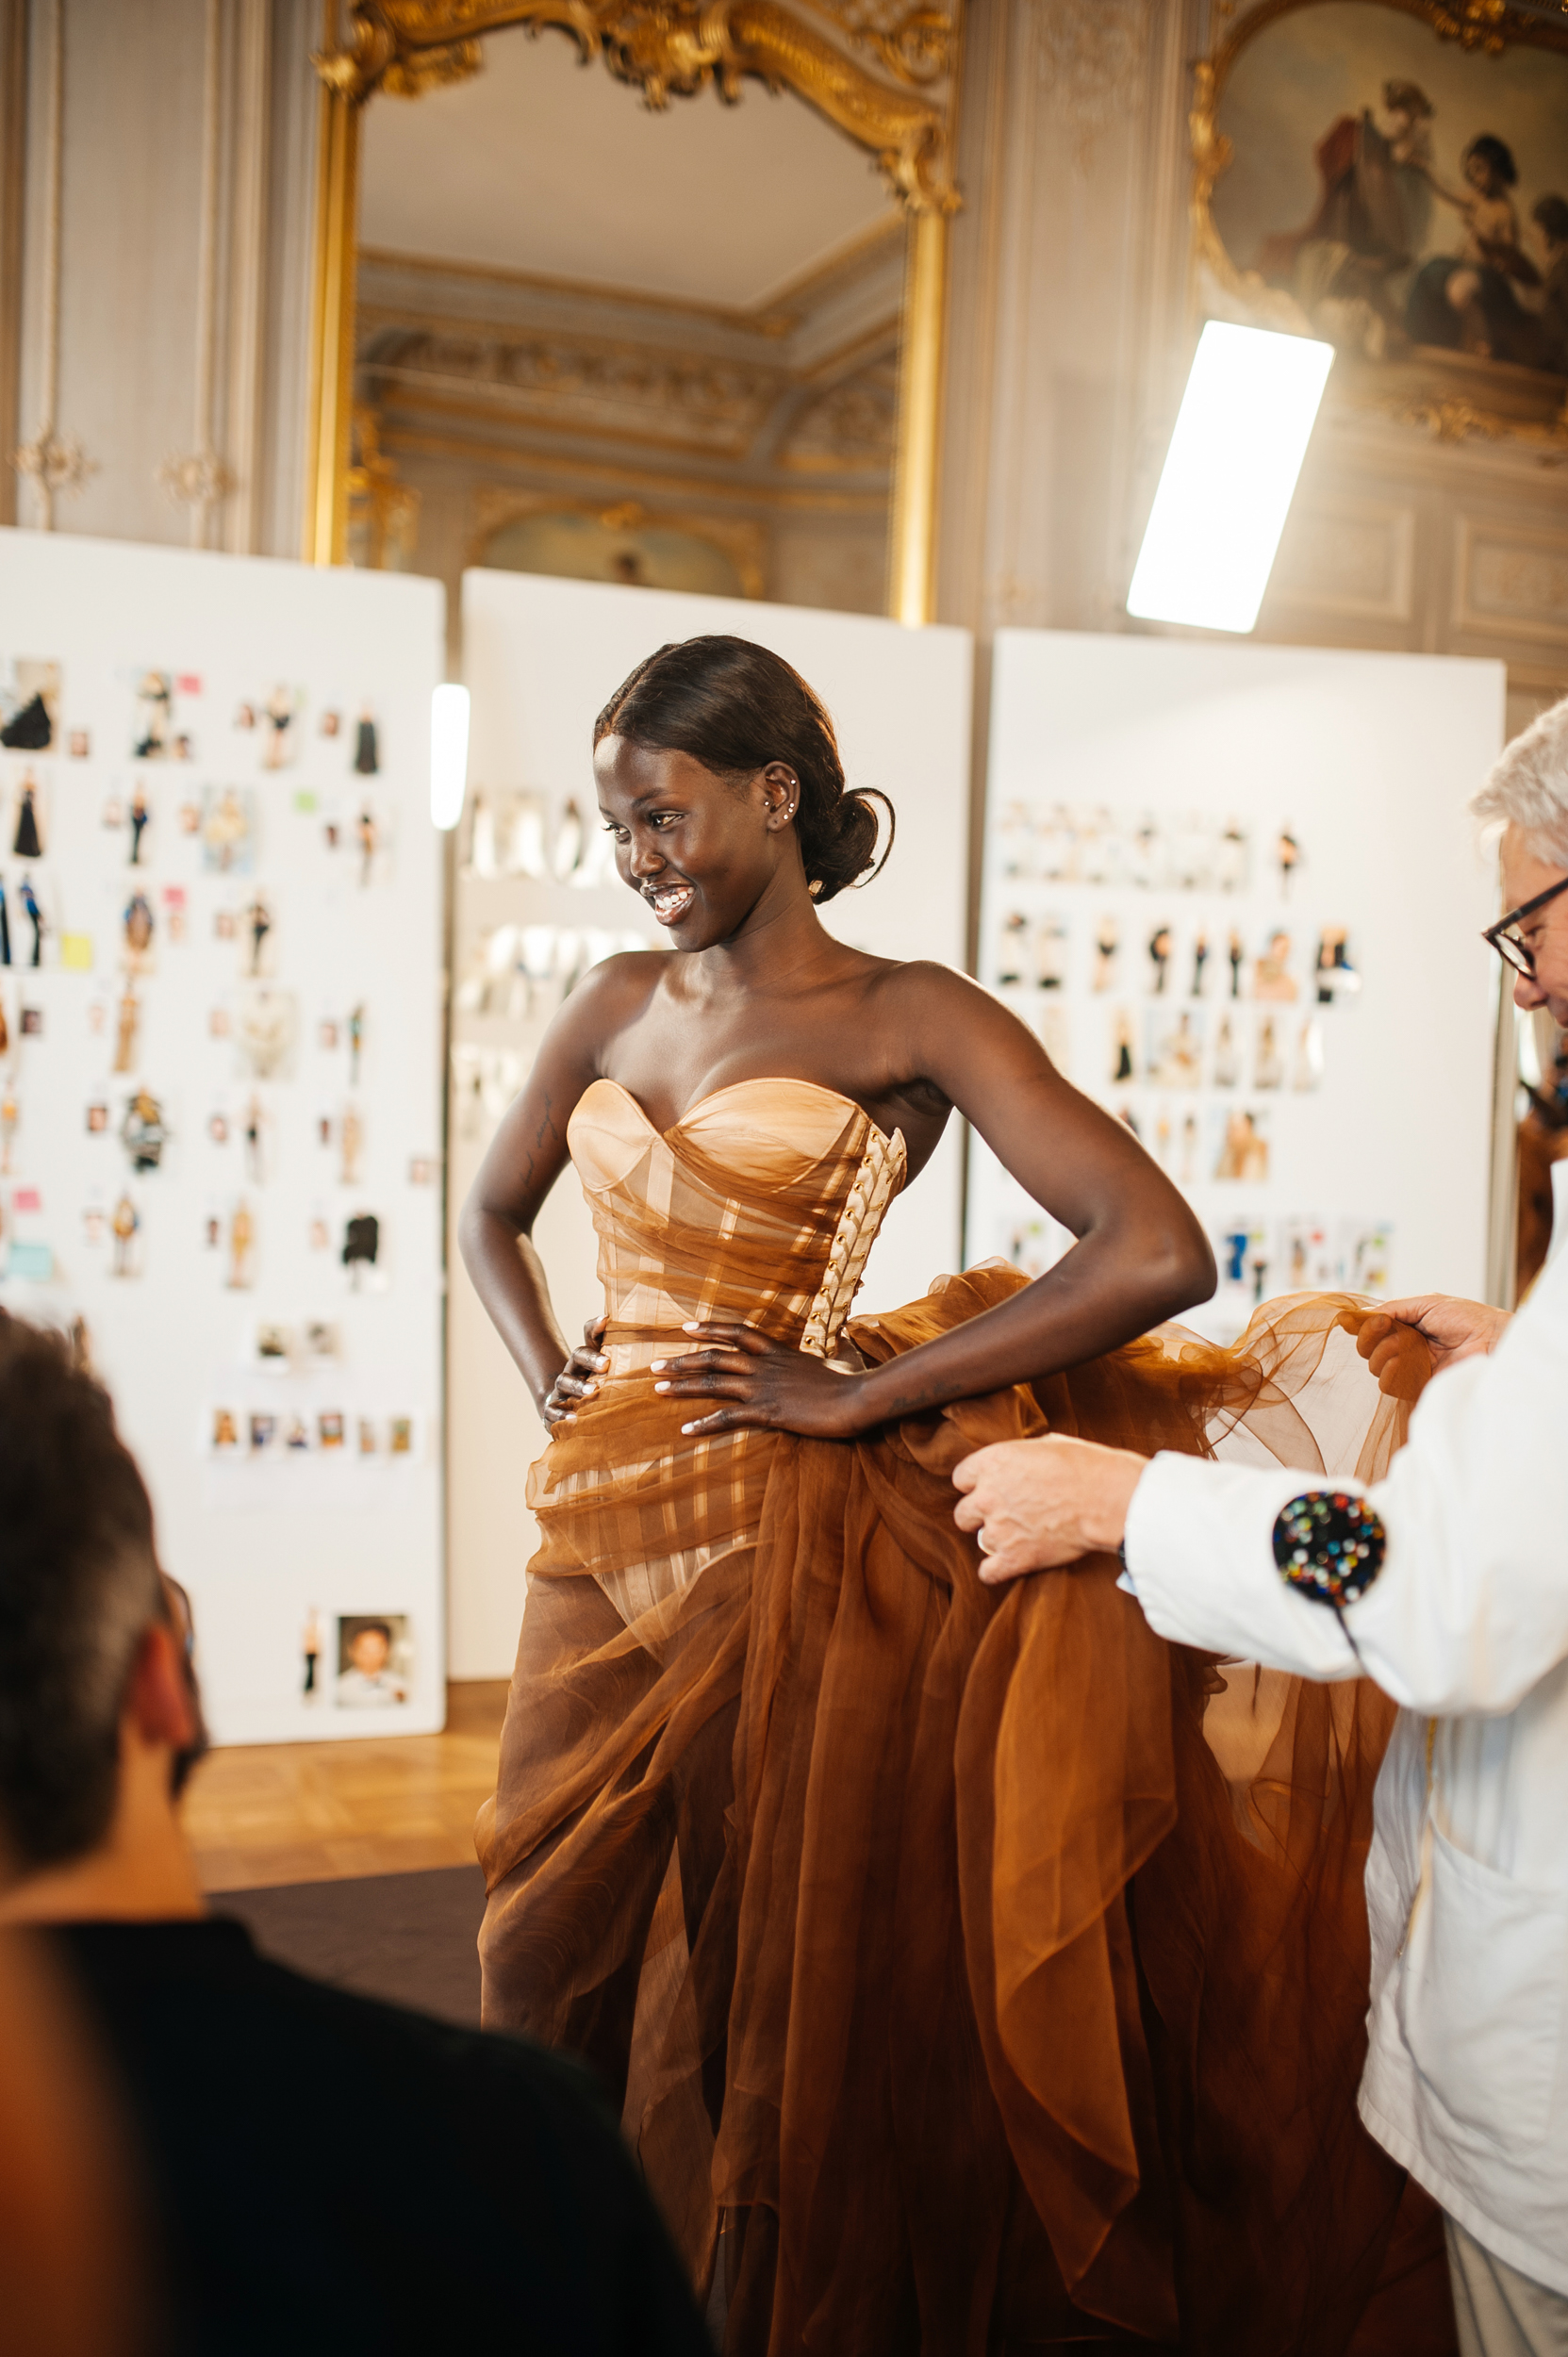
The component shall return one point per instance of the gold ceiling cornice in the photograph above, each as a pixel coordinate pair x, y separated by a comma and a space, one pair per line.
903, 115
673, 48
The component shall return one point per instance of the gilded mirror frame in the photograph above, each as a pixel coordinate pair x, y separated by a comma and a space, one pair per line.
882, 71
1485, 27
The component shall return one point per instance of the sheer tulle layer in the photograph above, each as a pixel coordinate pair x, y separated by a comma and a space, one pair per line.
994, 1973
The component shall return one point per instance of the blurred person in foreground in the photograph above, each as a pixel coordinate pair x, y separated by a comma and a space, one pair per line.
322, 2171
1446, 1583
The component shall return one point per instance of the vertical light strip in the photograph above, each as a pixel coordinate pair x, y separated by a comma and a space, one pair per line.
1229, 474
448, 755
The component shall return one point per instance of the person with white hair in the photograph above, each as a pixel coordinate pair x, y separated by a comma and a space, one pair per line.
1447, 1582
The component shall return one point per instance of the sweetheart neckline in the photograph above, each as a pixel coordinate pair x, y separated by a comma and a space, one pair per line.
774, 1079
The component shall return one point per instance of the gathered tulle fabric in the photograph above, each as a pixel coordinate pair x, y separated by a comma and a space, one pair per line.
975, 1971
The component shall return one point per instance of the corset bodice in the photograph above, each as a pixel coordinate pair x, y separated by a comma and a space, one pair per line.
759, 1206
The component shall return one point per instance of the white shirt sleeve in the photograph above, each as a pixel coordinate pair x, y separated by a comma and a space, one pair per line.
1471, 1608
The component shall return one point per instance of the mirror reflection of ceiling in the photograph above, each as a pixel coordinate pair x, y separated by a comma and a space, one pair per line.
540, 164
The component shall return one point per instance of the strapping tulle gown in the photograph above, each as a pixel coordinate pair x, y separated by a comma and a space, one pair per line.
974, 1970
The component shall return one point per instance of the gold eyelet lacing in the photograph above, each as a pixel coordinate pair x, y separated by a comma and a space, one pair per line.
876, 1183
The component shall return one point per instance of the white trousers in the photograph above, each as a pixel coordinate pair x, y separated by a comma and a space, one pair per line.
1499, 2312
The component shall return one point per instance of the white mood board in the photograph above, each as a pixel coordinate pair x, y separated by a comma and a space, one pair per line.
230, 1052
538, 899
1235, 891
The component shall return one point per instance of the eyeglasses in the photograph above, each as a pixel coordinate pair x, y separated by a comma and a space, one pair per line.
1503, 939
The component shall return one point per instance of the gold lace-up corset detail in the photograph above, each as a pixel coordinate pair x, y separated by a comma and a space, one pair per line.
760, 1208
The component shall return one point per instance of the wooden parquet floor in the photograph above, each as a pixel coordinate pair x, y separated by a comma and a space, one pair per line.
271, 1813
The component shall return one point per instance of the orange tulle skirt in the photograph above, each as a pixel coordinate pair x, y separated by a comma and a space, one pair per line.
974, 1970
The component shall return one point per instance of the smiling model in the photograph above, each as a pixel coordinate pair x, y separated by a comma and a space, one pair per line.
881, 2015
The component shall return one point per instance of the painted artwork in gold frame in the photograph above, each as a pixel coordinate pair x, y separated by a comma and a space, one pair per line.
1391, 175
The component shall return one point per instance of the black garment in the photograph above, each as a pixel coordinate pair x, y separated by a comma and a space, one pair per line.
29, 730
334, 2174
366, 758
28, 845
4, 930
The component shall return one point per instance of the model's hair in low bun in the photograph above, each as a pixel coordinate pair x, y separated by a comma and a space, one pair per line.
735, 707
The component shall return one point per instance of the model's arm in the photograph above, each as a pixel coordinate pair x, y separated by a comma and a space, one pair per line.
1140, 1254
527, 1155
1470, 1610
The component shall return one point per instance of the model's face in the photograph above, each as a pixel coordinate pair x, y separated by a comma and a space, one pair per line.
367, 1652
702, 852
1545, 935
1479, 174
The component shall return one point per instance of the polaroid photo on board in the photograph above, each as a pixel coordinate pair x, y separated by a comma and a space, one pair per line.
375, 1658
1239, 1144
1174, 1056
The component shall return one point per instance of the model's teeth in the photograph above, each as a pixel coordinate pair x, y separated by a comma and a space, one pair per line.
673, 897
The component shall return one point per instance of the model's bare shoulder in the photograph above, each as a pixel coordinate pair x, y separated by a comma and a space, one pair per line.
612, 994
924, 988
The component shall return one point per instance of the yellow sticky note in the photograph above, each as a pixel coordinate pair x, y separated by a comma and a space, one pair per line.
77, 952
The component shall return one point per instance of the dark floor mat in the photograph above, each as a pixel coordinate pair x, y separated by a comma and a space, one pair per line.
411, 1938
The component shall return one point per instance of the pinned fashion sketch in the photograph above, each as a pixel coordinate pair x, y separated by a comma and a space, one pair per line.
127, 1026
361, 1245
266, 1026
228, 830
139, 926
1107, 947
258, 924
1271, 976
124, 1226
27, 842
152, 729
144, 1132
277, 722
1243, 1148
141, 817
241, 1248
1334, 975
35, 917
1161, 946
1121, 1046
1268, 1064
351, 1140
367, 836
5, 930
366, 756
1175, 1048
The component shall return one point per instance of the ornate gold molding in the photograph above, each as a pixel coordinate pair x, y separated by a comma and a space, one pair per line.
904, 117
739, 539
1488, 26
664, 48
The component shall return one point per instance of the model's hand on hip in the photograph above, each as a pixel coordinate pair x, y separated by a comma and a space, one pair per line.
578, 1379
1035, 1504
1451, 1329
769, 1383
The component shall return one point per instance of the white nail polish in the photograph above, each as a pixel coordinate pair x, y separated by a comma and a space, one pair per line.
655, 1364
661, 1387
688, 1427
691, 1326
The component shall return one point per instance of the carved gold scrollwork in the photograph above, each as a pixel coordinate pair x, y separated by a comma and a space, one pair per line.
675, 48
